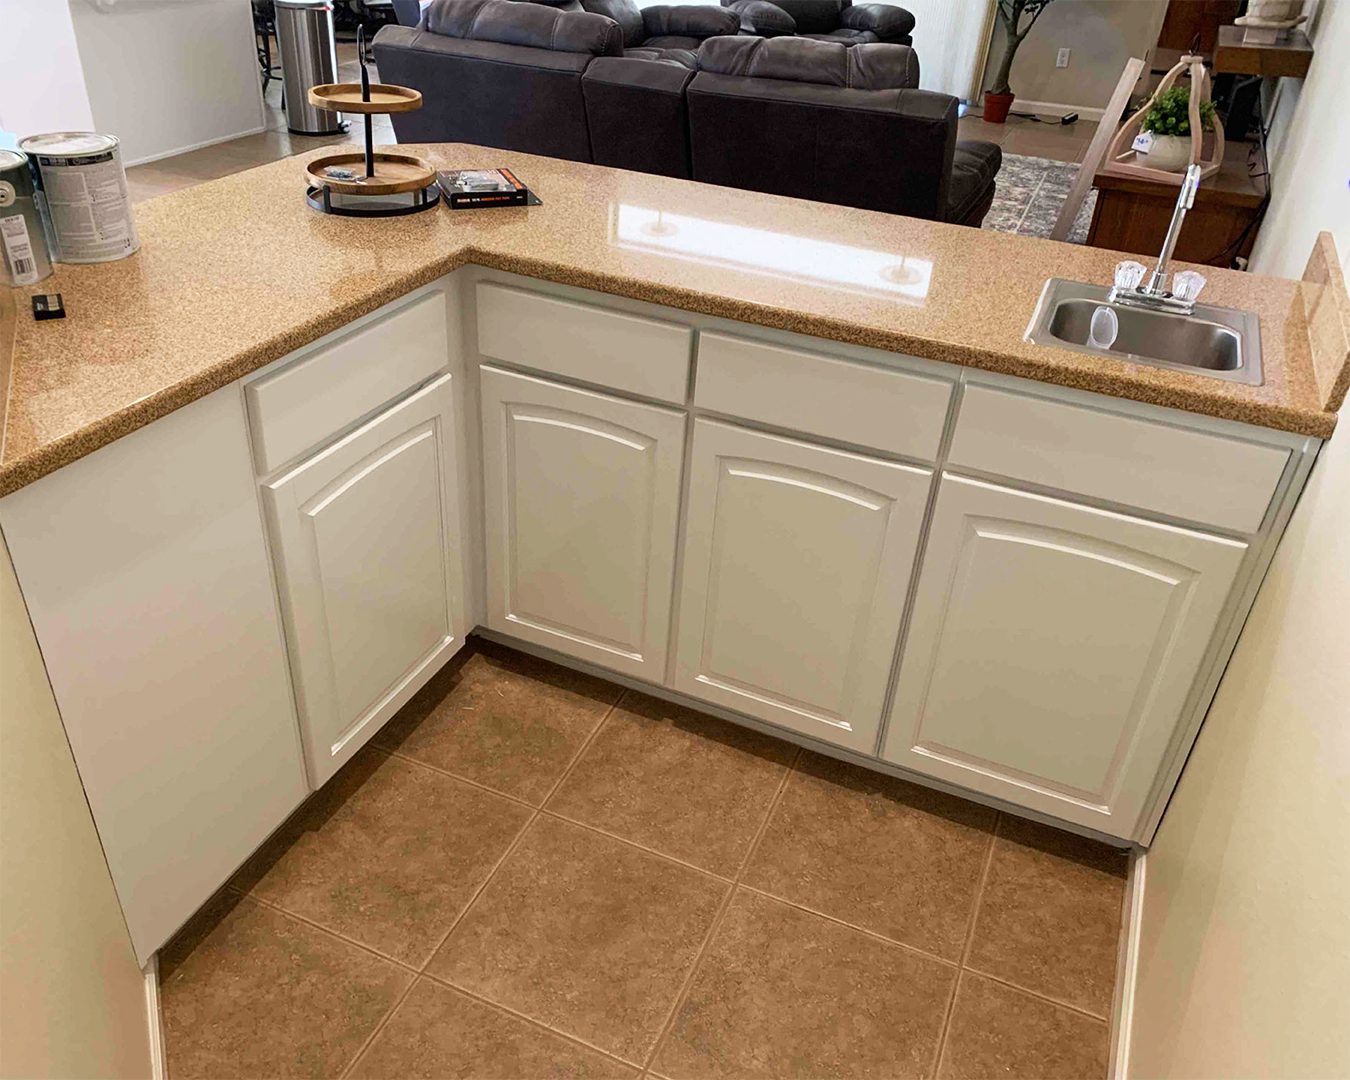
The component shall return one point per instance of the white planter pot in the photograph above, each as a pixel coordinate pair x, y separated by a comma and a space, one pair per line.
1171, 153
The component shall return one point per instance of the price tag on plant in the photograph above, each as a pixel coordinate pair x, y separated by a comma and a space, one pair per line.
1143, 142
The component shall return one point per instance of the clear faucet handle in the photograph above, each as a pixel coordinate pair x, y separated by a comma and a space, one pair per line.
1187, 285
1129, 274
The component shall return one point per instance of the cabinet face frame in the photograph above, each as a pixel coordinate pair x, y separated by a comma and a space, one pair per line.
643, 543
332, 730
733, 469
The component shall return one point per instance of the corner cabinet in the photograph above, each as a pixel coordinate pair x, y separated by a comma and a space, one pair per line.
581, 500
1051, 650
796, 563
365, 538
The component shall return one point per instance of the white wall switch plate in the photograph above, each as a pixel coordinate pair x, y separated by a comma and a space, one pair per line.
1062, 59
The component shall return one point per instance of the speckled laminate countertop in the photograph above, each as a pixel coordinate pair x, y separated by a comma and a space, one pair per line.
237, 272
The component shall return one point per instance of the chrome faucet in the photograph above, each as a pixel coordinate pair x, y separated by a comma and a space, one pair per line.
1154, 293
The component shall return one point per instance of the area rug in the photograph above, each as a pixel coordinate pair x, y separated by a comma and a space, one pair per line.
1028, 194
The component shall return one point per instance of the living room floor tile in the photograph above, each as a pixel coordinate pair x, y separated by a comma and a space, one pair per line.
996, 1030
585, 934
781, 992
877, 852
247, 992
1050, 915
677, 781
441, 1034
501, 719
387, 854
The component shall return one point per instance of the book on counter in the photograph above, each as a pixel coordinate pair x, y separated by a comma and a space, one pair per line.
465, 188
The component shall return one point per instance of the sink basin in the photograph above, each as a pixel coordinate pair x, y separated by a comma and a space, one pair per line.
1223, 343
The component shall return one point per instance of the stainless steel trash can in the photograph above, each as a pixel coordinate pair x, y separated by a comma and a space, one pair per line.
308, 58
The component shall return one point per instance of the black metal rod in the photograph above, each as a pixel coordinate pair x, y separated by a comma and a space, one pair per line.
365, 96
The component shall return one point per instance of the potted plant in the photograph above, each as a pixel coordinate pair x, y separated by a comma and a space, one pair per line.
1168, 120
998, 98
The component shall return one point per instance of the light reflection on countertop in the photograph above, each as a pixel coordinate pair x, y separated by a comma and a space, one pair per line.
237, 272
771, 252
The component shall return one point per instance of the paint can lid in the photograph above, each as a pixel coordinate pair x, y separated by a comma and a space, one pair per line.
68, 143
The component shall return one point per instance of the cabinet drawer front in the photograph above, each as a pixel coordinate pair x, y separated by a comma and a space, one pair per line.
1051, 650
581, 498
305, 403
1200, 477
892, 411
367, 547
608, 348
796, 564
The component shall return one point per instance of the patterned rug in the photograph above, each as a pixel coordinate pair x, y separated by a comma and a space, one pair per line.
1030, 191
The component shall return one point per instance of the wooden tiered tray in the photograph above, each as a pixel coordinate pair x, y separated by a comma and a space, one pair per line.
378, 180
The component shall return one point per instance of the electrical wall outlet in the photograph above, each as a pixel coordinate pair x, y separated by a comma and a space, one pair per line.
1062, 60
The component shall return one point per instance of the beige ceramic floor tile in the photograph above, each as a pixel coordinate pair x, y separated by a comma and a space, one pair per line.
1050, 914
501, 718
1000, 1032
585, 934
250, 992
441, 1034
388, 854
888, 856
784, 993
677, 781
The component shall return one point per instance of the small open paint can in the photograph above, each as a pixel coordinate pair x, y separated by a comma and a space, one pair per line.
83, 189
24, 258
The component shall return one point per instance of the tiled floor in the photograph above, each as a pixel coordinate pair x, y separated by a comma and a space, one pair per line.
1060, 142
533, 873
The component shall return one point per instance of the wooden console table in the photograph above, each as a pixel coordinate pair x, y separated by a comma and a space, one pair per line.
1132, 213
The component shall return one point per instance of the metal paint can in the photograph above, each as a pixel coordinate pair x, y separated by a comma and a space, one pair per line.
24, 258
83, 190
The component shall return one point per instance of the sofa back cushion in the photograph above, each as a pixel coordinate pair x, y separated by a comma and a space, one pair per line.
829, 136
534, 25
814, 16
624, 12
518, 97
828, 63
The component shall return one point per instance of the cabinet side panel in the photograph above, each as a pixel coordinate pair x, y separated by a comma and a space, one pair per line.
145, 573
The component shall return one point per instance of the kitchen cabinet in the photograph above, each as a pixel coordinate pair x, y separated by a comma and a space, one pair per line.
797, 559
366, 539
145, 572
581, 500
1051, 650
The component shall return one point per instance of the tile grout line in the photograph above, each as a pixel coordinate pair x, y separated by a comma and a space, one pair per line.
545, 812
967, 944
1042, 998
401, 756
716, 923
515, 842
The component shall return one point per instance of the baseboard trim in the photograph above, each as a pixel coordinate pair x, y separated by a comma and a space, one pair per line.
1057, 108
196, 146
159, 1069
1127, 969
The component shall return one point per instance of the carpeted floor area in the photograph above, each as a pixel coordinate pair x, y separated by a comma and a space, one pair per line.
1030, 191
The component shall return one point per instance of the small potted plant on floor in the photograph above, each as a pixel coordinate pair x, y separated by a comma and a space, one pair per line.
1168, 120
998, 98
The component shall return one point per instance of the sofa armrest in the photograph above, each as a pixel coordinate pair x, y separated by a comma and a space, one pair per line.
763, 18
889, 23
689, 20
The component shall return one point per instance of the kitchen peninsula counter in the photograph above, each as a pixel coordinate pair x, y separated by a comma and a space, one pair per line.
238, 272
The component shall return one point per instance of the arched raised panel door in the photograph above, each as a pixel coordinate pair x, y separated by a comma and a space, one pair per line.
581, 493
367, 546
796, 564
1051, 650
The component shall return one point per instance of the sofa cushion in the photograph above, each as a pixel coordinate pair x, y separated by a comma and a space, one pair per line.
801, 59
676, 42
689, 20
535, 25
846, 37
884, 20
685, 58
763, 18
623, 12
974, 167
814, 16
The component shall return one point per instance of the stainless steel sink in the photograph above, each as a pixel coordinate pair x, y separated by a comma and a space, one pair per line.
1223, 343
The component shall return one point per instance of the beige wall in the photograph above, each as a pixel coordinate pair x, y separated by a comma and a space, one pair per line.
1102, 35
1309, 148
72, 1000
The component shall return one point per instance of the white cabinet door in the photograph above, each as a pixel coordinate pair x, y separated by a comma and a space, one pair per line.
796, 564
581, 496
1051, 650
367, 545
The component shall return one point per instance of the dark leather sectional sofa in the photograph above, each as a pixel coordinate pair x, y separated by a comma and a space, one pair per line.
678, 92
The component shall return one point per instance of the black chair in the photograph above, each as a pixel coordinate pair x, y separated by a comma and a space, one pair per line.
826, 20
264, 29
408, 12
